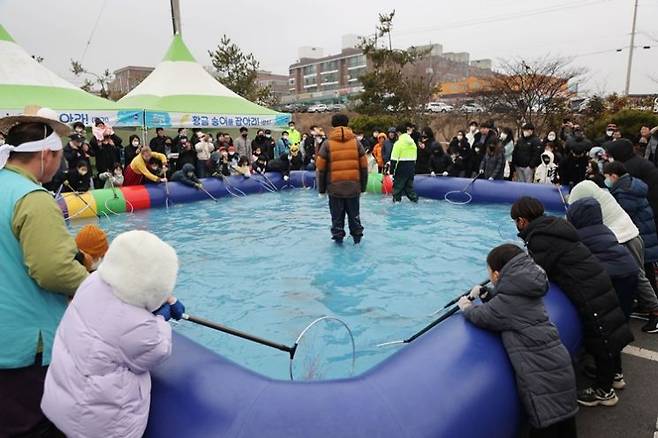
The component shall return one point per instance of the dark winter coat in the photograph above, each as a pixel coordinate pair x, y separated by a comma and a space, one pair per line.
186, 156
387, 150
637, 167
573, 169
545, 378
493, 165
157, 144
586, 216
578, 146
77, 182
461, 163
182, 177
74, 156
309, 150
439, 161
480, 146
631, 194
106, 155
424, 155
555, 246
527, 152
129, 153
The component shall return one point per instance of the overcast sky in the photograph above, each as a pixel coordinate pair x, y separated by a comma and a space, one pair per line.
137, 32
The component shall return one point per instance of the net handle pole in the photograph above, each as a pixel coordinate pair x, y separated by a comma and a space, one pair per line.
454, 300
208, 193
480, 172
564, 202
240, 334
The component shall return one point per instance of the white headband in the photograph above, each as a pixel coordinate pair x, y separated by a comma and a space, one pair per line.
50, 143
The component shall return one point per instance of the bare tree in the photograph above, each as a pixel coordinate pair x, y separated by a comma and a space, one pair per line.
532, 91
102, 80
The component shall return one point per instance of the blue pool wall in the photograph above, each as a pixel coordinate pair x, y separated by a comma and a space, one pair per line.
455, 380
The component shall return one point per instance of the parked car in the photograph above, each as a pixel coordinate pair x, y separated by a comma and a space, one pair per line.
318, 108
439, 107
471, 108
337, 107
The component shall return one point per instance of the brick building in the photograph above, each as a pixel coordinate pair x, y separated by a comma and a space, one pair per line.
127, 78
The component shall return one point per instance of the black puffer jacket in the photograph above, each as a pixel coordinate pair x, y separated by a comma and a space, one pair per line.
637, 167
544, 375
555, 246
586, 216
527, 152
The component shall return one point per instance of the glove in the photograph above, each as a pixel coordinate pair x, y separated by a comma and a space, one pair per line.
481, 171
286, 177
490, 178
163, 180
464, 303
164, 311
177, 309
198, 185
445, 174
475, 292
432, 174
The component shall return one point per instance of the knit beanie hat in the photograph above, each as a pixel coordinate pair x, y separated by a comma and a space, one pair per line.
92, 240
141, 269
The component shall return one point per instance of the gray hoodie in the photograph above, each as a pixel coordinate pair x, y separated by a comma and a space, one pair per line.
544, 375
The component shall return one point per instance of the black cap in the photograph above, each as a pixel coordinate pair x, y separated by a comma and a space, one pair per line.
244, 129
392, 130
339, 120
528, 126
98, 121
267, 131
76, 137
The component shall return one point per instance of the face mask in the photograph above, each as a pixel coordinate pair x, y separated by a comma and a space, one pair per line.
473, 129
546, 160
190, 175
460, 137
2, 141
82, 172
318, 139
503, 136
285, 138
224, 154
609, 133
527, 133
118, 172
95, 264
359, 137
135, 143
268, 135
551, 137
608, 183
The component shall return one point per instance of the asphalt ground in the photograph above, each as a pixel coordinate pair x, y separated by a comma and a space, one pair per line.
636, 414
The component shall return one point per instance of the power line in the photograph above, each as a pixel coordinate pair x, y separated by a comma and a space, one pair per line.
501, 18
93, 30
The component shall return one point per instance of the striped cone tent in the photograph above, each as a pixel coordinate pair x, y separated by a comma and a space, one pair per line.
25, 82
181, 93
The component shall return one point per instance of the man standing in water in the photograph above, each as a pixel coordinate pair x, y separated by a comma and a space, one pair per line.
342, 172
38, 270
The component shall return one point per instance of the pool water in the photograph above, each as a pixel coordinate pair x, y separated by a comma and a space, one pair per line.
265, 264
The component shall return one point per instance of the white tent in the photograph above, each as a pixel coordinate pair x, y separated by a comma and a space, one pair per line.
181, 93
24, 81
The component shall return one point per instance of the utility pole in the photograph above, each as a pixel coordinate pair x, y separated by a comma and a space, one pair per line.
175, 16
630, 52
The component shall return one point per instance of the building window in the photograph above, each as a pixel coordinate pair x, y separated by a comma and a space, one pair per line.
354, 62
310, 82
330, 66
354, 74
331, 86
310, 70
330, 78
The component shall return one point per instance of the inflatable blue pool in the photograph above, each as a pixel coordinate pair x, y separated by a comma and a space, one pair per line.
454, 381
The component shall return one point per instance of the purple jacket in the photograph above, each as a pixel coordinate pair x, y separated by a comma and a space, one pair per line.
98, 383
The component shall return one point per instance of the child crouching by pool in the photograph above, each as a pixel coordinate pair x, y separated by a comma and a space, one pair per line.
113, 332
544, 374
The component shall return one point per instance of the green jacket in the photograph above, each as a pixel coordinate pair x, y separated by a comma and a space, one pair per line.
404, 149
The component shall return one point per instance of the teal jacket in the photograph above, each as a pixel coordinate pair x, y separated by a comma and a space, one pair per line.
30, 314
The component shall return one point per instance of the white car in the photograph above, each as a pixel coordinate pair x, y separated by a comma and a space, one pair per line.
439, 107
318, 108
471, 108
